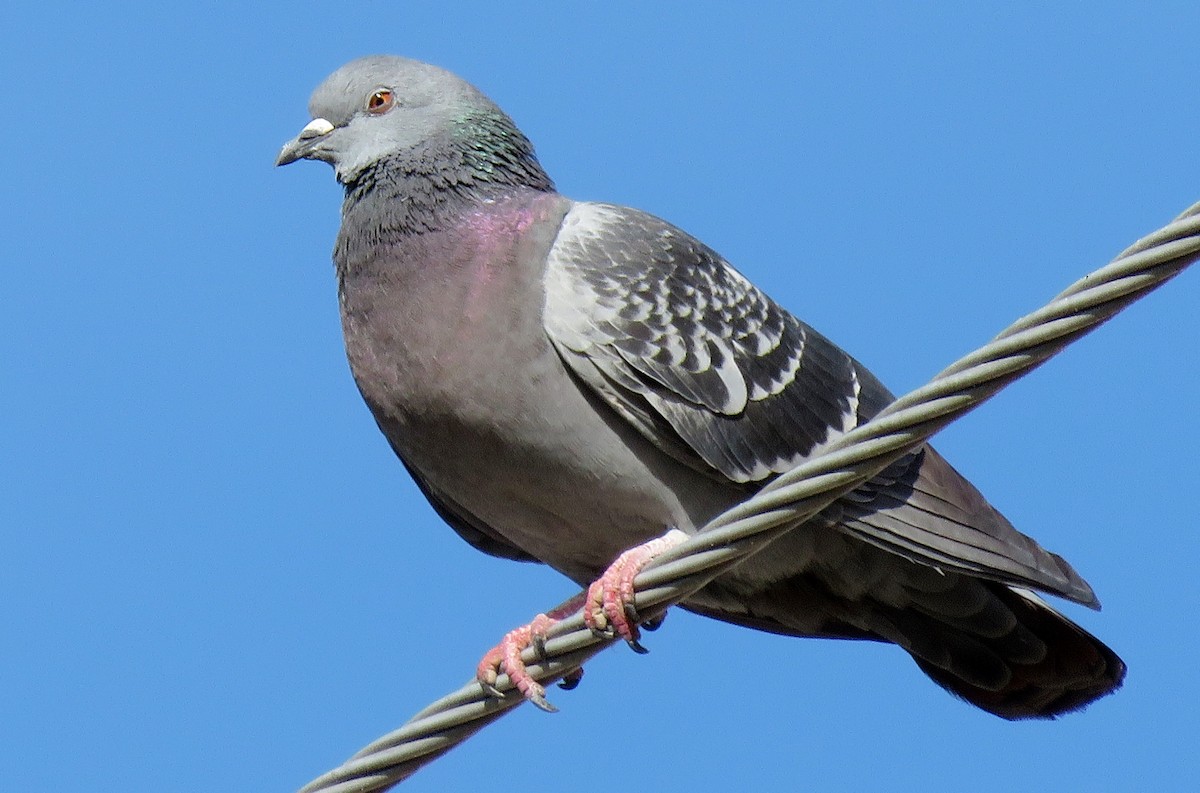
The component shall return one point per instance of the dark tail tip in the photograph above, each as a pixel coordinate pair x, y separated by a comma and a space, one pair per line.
1076, 669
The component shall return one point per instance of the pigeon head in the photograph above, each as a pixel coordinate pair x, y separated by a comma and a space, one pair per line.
383, 109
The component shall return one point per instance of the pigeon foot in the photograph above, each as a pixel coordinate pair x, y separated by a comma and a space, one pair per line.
609, 608
506, 657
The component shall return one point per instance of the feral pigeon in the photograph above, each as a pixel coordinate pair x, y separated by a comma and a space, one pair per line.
583, 384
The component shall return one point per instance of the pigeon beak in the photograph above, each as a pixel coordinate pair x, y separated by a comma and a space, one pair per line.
302, 145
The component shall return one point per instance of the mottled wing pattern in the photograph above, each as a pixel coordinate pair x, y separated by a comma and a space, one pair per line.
714, 372
685, 347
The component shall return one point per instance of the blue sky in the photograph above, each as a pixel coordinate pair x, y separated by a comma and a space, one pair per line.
215, 576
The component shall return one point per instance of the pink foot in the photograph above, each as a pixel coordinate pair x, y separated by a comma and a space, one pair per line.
506, 657
609, 608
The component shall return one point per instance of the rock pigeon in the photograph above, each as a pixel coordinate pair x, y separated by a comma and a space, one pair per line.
574, 383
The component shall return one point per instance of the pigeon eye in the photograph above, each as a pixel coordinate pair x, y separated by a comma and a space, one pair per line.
381, 101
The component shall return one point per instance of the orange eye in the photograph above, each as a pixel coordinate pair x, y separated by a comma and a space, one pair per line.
381, 101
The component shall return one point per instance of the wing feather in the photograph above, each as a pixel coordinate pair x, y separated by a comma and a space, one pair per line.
718, 375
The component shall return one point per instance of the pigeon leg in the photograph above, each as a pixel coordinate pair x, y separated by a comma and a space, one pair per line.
609, 607
506, 657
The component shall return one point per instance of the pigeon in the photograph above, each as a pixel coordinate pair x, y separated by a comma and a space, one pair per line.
583, 385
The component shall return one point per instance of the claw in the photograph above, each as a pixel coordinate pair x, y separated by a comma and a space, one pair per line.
571, 679
654, 624
538, 698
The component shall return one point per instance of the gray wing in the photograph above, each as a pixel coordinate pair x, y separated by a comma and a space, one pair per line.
715, 373
687, 348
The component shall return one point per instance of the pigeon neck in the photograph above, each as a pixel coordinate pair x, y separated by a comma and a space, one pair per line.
482, 157
433, 188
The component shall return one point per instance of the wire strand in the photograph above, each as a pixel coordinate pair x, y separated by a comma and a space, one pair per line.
793, 497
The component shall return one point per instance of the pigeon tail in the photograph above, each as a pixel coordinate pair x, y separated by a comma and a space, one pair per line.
998, 647
1044, 667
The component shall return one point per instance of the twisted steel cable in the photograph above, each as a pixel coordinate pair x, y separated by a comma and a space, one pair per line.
793, 497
